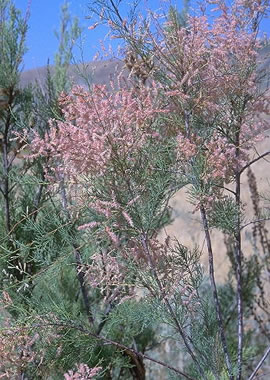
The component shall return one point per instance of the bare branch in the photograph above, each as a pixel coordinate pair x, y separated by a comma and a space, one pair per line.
255, 221
259, 364
238, 261
253, 161
77, 256
215, 293
170, 309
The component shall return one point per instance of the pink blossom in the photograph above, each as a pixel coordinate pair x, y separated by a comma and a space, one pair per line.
83, 372
128, 218
97, 125
187, 147
91, 27
112, 236
88, 225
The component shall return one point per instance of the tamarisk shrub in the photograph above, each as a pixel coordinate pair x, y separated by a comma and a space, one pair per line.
209, 85
123, 198
115, 157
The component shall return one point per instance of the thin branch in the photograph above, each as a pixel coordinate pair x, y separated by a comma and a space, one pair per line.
5, 144
253, 161
215, 293
20, 221
103, 321
77, 256
225, 188
38, 196
259, 364
116, 11
238, 261
1, 190
255, 221
170, 309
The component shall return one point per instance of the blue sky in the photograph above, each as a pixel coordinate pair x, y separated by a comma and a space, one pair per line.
44, 20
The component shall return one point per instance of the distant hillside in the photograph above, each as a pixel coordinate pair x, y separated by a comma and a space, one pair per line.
100, 72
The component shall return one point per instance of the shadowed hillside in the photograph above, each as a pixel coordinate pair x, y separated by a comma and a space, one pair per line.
100, 72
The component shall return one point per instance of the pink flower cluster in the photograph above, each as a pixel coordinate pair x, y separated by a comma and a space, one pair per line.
108, 273
164, 259
113, 213
83, 372
219, 157
217, 109
16, 350
188, 147
210, 97
97, 126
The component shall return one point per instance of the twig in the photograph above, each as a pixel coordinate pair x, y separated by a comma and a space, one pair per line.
253, 161
238, 261
77, 256
178, 326
38, 196
259, 364
215, 293
254, 221
225, 188
115, 8
5, 144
